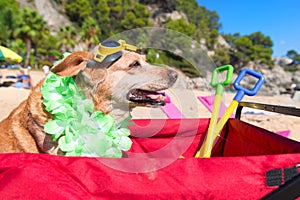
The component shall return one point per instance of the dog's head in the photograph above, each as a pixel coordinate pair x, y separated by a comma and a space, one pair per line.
128, 82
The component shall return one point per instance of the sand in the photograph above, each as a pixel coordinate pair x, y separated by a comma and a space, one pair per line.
185, 100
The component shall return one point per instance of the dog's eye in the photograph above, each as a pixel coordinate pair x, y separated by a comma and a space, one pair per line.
135, 64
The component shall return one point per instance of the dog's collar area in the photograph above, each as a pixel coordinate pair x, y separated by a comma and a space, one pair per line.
78, 129
110, 51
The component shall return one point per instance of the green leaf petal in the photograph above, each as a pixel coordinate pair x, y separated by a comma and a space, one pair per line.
54, 127
64, 145
125, 143
52, 96
123, 132
105, 122
95, 144
113, 153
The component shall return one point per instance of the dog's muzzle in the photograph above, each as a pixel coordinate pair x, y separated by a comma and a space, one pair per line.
172, 75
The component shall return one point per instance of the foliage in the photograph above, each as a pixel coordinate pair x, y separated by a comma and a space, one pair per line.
101, 14
8, 19
230, 38
181, 26
90, 31
221, 57
113, 16
78, 10
292, 54
67, 38
48, 50
30, 29
206, 22
136, 17
26, 32
290, 68
254, 47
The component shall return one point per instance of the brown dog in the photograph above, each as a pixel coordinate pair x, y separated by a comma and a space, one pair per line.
128, 82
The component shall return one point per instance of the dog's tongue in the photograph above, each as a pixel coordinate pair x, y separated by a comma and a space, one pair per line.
147, 98
159, 96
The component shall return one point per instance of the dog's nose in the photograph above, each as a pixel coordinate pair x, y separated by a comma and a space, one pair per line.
172, 75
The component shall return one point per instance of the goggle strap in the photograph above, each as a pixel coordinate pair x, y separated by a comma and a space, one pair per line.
104, 51
127, 46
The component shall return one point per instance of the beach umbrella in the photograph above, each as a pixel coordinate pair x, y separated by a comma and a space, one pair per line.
9, 55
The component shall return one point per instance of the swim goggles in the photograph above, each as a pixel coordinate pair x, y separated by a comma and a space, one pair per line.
110, 51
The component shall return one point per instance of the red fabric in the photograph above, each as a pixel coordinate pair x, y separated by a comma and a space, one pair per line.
37, 176
183, 130
237, 138
245, 139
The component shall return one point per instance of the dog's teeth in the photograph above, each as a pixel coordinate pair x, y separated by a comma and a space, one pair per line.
158, 97
149, 98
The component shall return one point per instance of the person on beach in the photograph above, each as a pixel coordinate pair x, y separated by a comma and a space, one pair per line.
46, 69
24, 80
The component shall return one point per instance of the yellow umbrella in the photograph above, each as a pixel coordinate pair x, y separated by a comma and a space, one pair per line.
8, 55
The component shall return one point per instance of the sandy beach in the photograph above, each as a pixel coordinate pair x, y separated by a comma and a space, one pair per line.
185, 100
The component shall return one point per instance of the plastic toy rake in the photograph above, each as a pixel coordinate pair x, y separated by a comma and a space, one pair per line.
208, 142
238, 97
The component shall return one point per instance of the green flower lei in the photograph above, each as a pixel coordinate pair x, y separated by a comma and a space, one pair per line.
78, 128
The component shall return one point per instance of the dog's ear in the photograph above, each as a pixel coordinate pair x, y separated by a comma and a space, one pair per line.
72, 64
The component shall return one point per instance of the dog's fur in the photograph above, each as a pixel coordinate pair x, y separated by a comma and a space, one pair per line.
22, 130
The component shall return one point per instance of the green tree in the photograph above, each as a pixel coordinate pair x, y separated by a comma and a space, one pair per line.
134, 15
29, 28
230, 38
8, 19
212, 39
89, 32
242, 53
48, 48
254, 47
243, 44
206, 22
221, 57
293, 54
116, 8
116, 15
181, 26
258, 38
78, 10
101, 14
66, 38
261, 54
18, 45
262, 48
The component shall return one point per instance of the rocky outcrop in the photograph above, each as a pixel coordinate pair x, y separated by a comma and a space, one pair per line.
221, 41
50, 12
160, 14
282, 61
277, 81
